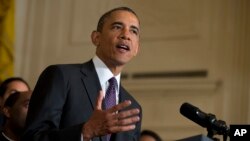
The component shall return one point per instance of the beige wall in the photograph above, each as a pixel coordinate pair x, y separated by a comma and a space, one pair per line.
177, 36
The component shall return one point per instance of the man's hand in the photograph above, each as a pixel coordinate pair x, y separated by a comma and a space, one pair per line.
103, 122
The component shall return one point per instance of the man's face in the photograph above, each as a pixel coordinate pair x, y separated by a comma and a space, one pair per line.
18, 112
13, 87
118, 42
147, 138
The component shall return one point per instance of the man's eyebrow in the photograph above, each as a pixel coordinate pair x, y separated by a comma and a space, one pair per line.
114, 23
132, 26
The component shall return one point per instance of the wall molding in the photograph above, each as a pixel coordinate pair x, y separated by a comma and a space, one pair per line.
167, 84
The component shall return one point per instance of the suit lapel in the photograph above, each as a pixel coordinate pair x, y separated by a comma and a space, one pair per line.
90, 82
122, 95
92, 85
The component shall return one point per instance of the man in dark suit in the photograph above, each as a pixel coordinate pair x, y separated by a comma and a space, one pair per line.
68, 100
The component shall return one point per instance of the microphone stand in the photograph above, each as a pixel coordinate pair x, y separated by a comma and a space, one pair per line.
211, 133
217, 127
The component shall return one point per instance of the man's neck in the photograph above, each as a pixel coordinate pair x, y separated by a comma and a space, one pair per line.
10, 134
114, 68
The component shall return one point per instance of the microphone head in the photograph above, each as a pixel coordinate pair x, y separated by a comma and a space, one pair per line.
208, 121
193, 113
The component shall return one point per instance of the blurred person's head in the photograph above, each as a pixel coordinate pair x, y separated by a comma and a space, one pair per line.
148, 135
15, 112
10, 86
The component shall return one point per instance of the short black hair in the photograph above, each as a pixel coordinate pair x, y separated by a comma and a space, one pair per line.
6, 82
151, 134
107, 14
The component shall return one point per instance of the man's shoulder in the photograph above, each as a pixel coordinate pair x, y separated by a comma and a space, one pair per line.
68, 67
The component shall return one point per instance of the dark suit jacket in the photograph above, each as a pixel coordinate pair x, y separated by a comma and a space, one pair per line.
63, 100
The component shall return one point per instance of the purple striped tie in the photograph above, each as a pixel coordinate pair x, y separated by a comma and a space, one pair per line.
110, 97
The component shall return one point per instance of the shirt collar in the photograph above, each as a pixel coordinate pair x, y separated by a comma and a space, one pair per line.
9, 139
103, 72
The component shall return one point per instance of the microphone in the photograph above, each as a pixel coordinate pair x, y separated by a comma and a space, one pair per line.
205, 120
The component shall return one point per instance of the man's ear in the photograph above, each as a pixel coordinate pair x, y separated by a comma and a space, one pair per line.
95, 37
6, 111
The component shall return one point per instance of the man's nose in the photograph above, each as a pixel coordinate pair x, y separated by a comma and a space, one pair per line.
125, 34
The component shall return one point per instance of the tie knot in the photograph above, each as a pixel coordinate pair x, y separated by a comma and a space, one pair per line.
112, 81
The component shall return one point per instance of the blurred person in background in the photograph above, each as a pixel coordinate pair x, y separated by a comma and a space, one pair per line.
8, 87
148, 135
15, 111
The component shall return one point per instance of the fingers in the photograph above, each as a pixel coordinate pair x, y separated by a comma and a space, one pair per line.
127, 117
125, 124
116, 119
120, 106
128, 113
127, 121
99, 100
123, 121
116, 129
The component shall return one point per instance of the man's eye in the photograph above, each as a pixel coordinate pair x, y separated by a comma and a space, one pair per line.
135, 32
116, 27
